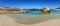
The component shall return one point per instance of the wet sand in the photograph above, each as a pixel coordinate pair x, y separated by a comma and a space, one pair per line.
8, 21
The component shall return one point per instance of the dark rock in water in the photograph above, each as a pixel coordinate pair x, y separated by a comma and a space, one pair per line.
47, 12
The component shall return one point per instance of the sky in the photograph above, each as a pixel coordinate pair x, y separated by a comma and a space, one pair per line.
30, 3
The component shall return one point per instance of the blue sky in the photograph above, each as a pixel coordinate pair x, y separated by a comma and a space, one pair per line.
30, 3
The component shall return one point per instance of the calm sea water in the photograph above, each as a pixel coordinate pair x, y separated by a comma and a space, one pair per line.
34, 17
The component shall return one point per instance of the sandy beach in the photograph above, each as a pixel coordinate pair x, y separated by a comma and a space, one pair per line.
7, 21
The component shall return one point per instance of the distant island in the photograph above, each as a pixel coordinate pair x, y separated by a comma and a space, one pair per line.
57, 8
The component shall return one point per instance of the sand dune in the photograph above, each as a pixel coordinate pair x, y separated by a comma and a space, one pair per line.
7, 21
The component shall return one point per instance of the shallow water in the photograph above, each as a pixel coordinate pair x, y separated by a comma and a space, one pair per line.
34, 17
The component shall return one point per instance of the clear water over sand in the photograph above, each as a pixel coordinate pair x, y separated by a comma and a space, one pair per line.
29, 19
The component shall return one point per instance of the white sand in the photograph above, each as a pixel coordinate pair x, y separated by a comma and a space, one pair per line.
7, 21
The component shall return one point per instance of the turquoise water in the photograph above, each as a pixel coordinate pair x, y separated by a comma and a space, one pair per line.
34, 17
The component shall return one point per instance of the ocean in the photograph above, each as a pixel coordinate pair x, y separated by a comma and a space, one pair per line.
34, 17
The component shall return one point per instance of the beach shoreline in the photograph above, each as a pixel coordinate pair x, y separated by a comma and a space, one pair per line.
7, 21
